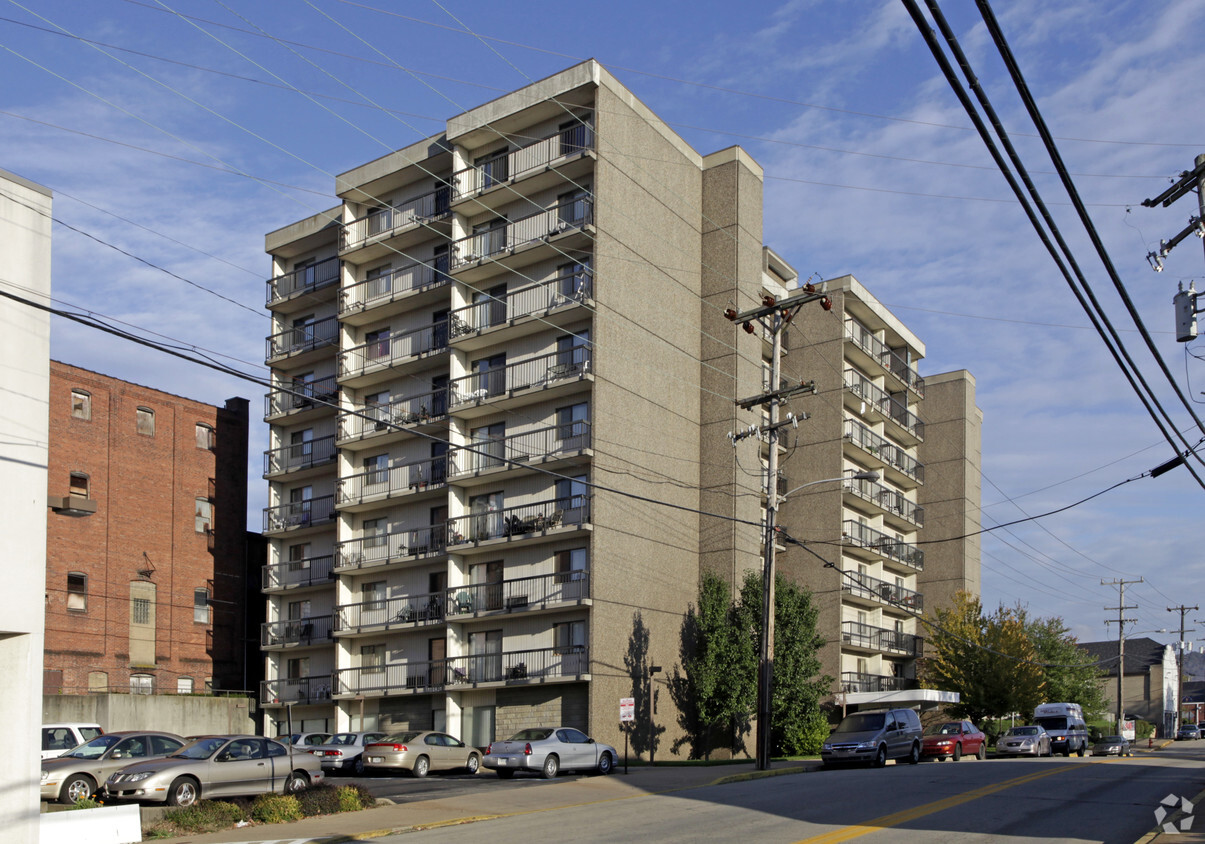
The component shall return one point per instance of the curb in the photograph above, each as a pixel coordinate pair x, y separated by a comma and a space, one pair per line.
757, 775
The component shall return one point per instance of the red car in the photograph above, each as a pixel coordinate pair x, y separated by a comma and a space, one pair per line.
953, 739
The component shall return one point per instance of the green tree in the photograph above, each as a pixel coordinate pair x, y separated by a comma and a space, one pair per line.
1071, 673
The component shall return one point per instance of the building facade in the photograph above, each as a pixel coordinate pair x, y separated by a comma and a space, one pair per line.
1149, 681
146, 553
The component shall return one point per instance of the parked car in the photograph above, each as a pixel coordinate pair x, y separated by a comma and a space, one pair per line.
874, 736
1112, 746
57, 739
549, 750
78, 773
344, 752
216, 766
1030, 740
952, 739
1188, 732
420, 751
304, 741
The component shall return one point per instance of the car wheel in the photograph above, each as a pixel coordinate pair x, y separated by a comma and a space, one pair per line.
79, 787
552, 766
183, 792
605, 765
914, 755
421, 766
357, 767
957, 752
1081, 751
982, 754
474, 764
505, 773
296, 782
880, 758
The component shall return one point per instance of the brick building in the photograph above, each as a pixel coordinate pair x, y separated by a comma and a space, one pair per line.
146, 557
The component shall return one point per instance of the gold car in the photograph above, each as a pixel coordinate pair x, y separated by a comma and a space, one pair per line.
420, 751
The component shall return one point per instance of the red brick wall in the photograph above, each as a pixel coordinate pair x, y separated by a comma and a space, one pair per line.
145, 489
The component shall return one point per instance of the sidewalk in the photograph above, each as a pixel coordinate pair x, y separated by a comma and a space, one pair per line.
496, 802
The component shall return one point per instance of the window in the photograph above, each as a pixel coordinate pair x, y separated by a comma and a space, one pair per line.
298, 610
488, 238
299, 556
573, 208
205, 436
574, 134
573, 353
376, 406
374, 533
376, 469
78, 485
77, 592
140, 611
306, 273
571, 499
489, 375
297, 668
184, 685
204, 515
81, 404
376, 345
142, 684
570, 636
374, 595
488, 445
378, 282
494, 168
200, 606
145, 418
573, 282
573, 426
372, 657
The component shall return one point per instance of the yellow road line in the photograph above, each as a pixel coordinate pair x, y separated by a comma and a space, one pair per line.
887, 821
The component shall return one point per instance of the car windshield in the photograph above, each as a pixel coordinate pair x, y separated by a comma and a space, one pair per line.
94, 748
532, 735
950, 729
1111, 740
401, 738
861, 722
200, 749
1023, 731
342, 738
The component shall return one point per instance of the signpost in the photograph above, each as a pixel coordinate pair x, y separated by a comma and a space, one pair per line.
627, 714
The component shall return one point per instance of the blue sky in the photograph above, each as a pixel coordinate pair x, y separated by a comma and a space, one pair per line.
179, 136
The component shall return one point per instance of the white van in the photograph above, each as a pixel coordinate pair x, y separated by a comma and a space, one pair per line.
57, 739
1065, 723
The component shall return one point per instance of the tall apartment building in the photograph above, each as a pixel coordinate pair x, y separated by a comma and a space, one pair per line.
146, 551
502, 389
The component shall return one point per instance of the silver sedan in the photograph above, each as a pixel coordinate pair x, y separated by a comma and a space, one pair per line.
1031, 740
77, 774
344, 752
549, 750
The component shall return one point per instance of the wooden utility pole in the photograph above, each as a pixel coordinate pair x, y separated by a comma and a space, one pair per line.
1122, 621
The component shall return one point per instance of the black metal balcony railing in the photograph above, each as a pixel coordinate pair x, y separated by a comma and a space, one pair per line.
527, 301
307, 572
303, 338
519, 593
385, 483
518, 521
300, 514
539, 444
427, 676
561, 365
889, 499
867, 636
417, 409
897, 411
855, 681
408, 609
383, 222
314, 630
302, 455
495, 241
888, 358
313, 689
390, 285
396, 678
305, 279
383, 549
533, 157
389, 351
885, 450
301, 395
882, 590
884, 545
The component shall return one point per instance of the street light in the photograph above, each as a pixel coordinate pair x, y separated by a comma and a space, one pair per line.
765, 659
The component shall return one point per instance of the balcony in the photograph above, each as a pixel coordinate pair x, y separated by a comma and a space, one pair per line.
375, 616
519, 594
903, 469
894, 551
297, 574
391, 548
392, 229
890, 503
301, 400
394, 679
303, 282
867, 637
875, 403
853, 682
295, 690
303, 342
486, 460
875, 591
504, 387
388, 356
377, 424
526, 240
524, 311
295, 632
571, 662
368, 488
404, 288
299, 457
890, 360
516, 523
300, 515
545, 162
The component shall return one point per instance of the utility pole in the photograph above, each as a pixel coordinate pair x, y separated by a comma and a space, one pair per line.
1183, 610
1122, 621
1185, 301
773, 316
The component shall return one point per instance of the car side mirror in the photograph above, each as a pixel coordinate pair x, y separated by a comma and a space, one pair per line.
224, 757
589, 741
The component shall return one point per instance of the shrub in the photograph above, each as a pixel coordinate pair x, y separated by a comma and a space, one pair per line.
276, 808
86, 803
815, 733
318, 800
205, 816
352, 798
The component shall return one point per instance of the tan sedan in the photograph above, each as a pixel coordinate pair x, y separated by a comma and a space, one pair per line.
79, 773
421, 751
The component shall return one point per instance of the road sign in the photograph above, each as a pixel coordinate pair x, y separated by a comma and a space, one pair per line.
627, 709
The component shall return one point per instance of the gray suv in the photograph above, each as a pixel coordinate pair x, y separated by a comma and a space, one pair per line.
875, 736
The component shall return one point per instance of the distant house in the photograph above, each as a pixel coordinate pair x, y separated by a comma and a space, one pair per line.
1149, 680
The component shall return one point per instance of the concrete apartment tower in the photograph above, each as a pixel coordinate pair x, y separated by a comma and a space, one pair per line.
503, 388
